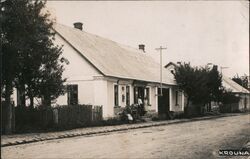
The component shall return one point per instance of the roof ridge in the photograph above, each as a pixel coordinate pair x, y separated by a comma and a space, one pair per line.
123, 46
112, 58
228, 80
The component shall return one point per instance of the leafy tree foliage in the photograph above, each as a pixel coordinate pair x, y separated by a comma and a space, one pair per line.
30, 60
243, 81
229, 98
200, 84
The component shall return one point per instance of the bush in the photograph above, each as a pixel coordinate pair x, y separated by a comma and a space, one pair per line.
179, 116
229, 108
113, 121
133, 110
155, 118
229, 98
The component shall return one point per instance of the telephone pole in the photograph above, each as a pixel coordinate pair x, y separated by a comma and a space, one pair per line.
160, 49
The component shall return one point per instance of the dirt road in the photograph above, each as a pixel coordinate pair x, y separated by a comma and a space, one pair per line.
198, 139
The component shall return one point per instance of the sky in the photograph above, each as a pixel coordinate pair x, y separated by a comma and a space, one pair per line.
198, 32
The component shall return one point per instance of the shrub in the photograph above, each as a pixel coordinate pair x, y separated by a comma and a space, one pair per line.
113, 121
133, 110
229, 97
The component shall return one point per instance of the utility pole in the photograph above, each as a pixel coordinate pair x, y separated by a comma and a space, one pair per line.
160, 49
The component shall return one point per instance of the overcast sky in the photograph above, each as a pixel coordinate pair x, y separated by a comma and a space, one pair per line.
199, 32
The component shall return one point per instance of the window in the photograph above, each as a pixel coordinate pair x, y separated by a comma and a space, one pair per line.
147, 95
127, 95
176, 98
116, 95
135, 94
72, 94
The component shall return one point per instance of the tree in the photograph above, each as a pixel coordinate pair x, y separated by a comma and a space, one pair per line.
30, 59
200, 84
243, 81
10, 31
50, 84
215, 84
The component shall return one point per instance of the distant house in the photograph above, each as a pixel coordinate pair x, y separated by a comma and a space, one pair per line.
103, 72
237, 90
229, 85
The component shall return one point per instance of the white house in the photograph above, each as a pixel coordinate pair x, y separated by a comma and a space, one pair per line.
103, 72
238, 90
229, 85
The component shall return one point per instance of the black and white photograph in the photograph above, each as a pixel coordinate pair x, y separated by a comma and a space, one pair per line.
125, 79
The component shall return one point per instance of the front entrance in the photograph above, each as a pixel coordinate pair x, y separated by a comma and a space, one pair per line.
138, 93
140, 98
163, 101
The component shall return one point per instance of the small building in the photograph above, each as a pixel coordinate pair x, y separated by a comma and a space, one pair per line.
229, 85
104, 72
239, 91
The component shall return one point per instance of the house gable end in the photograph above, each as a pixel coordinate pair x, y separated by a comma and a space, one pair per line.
79, 67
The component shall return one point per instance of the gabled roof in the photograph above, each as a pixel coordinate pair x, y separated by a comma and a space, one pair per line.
229, 84
170, 63
113, 59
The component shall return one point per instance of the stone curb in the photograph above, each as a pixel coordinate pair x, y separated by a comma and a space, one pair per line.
126, 127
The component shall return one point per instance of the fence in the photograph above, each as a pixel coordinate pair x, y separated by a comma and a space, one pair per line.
229, 108
63, 117
4, 116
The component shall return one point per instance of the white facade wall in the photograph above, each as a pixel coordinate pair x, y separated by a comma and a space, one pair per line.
78, 68
156, 98
244, 102
79, 71
153, 99
101, 96
122, 92
177, 105
110, 102
85, 93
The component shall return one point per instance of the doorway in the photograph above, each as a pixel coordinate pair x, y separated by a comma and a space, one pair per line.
138, 93
163, 101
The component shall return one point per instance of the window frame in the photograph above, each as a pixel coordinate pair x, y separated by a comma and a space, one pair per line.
176, 98
72, 89
127, 95
148, 95
116, 95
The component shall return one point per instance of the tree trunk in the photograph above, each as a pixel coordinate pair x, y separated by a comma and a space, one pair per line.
8, 124
22, 96
186, 108
31, 102
46, 101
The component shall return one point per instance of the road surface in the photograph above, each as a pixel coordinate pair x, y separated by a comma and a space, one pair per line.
190, 140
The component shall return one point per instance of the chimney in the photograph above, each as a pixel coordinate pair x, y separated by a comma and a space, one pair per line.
78, 25
142, 47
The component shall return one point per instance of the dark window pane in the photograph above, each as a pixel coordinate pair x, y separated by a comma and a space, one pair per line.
72, 94
127, 95
116, 95
147, 95
176, 97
